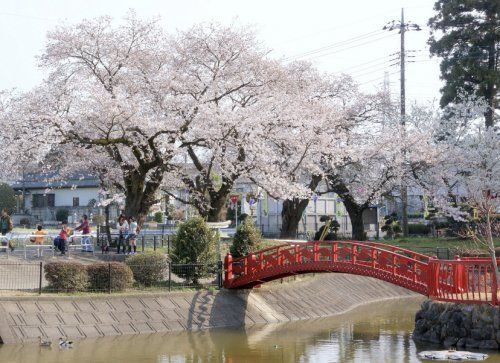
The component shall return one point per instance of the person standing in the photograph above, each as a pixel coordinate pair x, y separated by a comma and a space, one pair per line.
86, 239
5, 223
63, 237
123, 229
40, 234
5, 226
132, 238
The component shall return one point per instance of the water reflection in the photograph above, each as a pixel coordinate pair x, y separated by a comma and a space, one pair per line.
373, 333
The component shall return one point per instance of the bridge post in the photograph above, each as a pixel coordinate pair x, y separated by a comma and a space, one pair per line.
297, 254
374, 257
432, 277
334, 252
494, 289
252, 266
354, 252
228, 266
316, 251
458, 277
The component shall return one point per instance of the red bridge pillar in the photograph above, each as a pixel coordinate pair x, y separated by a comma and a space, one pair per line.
432, 277
459, 278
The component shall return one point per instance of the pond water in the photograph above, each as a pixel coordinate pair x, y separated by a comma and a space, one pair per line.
378, 332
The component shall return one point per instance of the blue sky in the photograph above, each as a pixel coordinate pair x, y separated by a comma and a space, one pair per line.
348, 31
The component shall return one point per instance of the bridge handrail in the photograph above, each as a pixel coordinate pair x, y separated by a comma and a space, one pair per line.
258, 255
378, 246
396, 248
462, 280
363, 258
264, 250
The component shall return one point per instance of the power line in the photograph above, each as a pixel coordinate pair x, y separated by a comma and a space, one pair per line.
378, 78
27, 16
336, 45
362, 64
350, 24
350, 47
370, 72
364, 69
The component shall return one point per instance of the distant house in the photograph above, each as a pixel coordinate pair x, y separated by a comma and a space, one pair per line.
40, 196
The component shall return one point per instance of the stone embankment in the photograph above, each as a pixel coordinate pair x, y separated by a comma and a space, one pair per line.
24, 319
458, 325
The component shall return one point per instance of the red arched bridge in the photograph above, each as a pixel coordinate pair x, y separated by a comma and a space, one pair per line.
469, 280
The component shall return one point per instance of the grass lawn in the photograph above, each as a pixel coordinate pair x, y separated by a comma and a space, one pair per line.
421, 244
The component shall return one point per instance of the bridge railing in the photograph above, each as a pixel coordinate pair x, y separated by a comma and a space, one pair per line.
401, 251
467, 280
341, 256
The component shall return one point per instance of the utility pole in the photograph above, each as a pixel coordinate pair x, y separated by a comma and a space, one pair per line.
403, 27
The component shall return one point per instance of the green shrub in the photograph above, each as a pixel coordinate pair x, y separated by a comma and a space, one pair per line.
148, 268
194, 243
66, 276
415, 215
62, 215
7, 198
158, 217
246, 239
98, 276
421, 229
391, 226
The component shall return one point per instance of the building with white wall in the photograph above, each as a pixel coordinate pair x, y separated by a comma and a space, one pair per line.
40, 196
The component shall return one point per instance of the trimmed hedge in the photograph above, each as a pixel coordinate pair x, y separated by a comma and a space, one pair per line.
148, 268
66, 276
98, 276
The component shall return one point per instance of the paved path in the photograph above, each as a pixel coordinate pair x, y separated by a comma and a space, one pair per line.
23, 319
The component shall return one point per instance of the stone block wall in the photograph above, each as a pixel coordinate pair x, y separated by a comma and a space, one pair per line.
458, 325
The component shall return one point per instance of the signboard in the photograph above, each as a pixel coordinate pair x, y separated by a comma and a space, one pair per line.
234, 199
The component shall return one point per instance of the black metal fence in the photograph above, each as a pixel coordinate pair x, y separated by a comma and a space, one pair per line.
108, 277
157, 241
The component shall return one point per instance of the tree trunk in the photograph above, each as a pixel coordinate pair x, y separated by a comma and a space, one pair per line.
491, 248
354, 209
291, 214
404, 210
106, 223
355, 212
140, 195
217, 212
292, 210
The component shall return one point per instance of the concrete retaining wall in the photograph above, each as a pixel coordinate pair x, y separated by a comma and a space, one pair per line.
25, 319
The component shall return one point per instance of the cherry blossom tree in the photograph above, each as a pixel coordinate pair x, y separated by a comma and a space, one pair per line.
228, 74
463, 173
100, 102
307, 122
128, 101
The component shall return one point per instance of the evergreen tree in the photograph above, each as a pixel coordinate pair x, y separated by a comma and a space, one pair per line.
466, 34
194, 243
246, 239
7, 198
